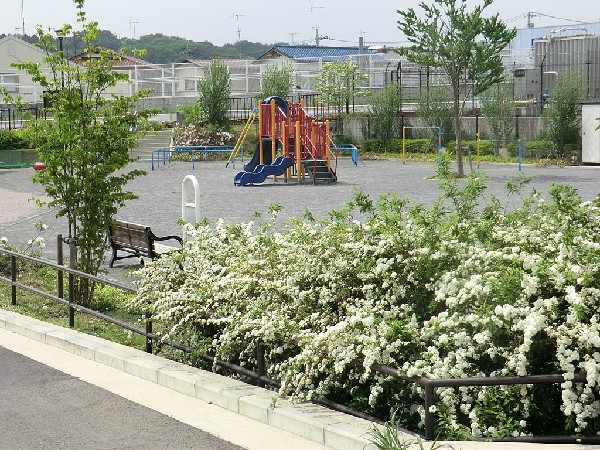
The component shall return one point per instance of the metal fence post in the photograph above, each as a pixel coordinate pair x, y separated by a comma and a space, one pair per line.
13, 277
429, 417
60, 262
260, 365
72, 263
148, 331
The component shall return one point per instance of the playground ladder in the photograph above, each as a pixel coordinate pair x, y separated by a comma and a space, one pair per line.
240, 141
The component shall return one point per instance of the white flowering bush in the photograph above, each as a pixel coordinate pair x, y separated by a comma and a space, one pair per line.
464, 288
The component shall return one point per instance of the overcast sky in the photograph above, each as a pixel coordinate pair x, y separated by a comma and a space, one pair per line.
267, 21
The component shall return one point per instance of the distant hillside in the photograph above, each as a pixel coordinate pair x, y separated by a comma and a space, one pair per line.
166, 49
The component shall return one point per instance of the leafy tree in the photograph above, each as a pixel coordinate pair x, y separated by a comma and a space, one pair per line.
499, 109
464, 44
434, 107
561, 116
386, 109
86, 145
276, 80
339, 82
214, 89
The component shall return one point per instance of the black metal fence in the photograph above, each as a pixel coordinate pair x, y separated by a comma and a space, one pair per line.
12, 118
259, 373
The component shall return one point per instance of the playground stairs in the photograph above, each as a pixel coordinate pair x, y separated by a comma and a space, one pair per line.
318, 171
150, 142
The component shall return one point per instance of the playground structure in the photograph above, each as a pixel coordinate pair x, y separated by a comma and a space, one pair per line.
291, 143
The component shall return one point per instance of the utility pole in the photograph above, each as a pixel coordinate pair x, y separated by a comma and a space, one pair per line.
237, 23
292, 37
239, 31
314, 9
529, 16
22, 19
132, 25
542, 82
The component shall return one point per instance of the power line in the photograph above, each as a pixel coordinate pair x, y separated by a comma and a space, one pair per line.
531, 14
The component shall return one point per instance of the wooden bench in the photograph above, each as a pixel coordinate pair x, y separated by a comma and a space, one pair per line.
138, 241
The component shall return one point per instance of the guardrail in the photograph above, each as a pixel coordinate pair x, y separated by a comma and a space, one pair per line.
165, 154
259, 374
346, 148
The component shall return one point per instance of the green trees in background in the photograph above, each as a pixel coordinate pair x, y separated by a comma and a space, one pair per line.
339, 82
163, 49
276, 81
561, 116
464, 44
214, 89
434, 107
386, 110
498, 107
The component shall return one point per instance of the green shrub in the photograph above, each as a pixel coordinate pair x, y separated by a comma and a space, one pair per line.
12, 140
395, 146
531, 149
485, 147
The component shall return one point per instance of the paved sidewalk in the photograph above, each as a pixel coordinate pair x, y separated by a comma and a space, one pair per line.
203, 399
159, 203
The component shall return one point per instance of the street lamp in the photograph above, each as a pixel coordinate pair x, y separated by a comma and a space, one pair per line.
60, 34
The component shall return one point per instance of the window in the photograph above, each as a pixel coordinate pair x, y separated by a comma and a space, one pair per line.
190, 84
10, 82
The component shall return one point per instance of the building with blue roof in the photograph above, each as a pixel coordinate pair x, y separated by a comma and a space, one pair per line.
295, 53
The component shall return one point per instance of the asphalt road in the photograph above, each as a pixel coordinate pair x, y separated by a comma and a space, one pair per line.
43, 408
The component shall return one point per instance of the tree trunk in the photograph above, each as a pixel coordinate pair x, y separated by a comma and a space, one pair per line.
457, 114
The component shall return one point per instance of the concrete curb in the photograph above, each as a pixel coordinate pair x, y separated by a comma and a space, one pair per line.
314, 422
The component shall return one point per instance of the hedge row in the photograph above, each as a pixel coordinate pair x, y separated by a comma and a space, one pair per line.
12, 140
425, 146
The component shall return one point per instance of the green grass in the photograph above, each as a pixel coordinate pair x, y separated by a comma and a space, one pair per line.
432, 157
108, 300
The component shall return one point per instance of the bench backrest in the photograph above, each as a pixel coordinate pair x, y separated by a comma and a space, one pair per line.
131, 235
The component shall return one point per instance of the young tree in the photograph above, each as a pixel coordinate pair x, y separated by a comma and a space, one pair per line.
498, 107
561, 116
276, 81
386, 108
214, 89
434, 108
86, 144
464, 44
339, 82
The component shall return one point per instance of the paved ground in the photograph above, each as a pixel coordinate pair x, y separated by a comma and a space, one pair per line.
159, 203
38, 397
55, 394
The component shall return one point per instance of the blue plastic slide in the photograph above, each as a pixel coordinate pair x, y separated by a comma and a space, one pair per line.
262, 171
255, 161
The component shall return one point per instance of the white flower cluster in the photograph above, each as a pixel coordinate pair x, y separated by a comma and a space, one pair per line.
438, 295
